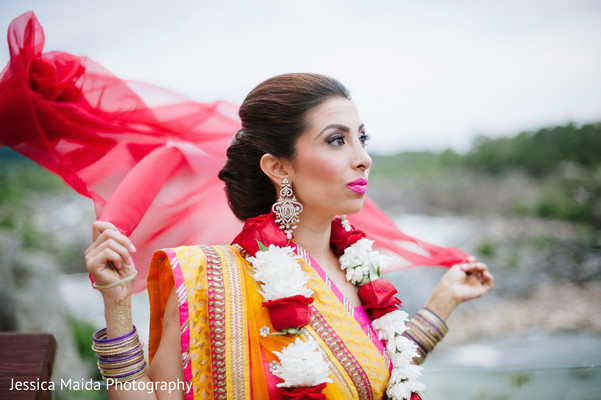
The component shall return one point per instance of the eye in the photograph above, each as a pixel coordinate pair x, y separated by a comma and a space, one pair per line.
364, 138
336, 140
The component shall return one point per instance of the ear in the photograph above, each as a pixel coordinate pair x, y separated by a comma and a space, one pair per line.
275, 168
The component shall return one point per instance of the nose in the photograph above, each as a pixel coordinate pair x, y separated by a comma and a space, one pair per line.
362, 159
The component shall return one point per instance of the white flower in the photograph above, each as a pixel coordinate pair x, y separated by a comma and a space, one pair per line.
356, 254
398, 391
280, 273
301, 365
404, 350
404, 345
416, 386
405, 372
404, 376
361, 263
356, 274
379, 260
389, 324
264, 331
363, 245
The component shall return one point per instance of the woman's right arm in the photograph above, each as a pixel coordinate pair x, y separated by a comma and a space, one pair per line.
108, 260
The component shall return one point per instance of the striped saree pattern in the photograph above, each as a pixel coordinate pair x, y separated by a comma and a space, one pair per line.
226, 352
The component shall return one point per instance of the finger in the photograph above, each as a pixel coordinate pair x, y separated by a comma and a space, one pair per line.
115, 243
477, 267
487, 278
481, 266
467, 267
99, 264
100, 226
118, 237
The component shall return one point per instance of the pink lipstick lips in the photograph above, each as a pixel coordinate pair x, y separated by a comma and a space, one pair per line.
358, 186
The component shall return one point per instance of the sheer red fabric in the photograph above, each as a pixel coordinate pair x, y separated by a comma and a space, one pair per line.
147, 157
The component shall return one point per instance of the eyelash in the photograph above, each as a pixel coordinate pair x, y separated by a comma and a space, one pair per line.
364, 138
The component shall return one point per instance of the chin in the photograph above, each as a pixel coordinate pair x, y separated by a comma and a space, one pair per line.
353, 208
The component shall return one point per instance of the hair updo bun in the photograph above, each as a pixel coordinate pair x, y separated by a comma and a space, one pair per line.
273, 117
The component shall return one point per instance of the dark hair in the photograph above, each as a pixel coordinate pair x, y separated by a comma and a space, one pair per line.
273, 117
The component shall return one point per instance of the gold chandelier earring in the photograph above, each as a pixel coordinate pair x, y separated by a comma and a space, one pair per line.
287, 209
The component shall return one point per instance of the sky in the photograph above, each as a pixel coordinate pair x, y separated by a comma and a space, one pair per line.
423, 75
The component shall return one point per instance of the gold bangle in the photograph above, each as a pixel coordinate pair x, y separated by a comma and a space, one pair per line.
115, 345
434, 319
116, 283
427, 343
425, 326
122, 364
111, 373
126, 378
119, 351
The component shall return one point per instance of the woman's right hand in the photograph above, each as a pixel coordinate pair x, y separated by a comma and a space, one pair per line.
108, 260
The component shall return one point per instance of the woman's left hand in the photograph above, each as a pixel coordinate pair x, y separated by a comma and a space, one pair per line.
468, 281
460, 283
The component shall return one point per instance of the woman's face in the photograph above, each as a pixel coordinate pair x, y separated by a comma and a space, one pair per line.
331, 165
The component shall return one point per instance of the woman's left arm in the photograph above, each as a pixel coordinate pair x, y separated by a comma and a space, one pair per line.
462, 282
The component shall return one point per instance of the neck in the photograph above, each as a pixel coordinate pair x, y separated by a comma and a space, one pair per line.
313, 234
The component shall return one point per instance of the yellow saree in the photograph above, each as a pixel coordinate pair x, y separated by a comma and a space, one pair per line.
225, 345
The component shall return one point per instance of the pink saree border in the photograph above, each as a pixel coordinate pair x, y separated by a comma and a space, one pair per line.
358, 312
184, 314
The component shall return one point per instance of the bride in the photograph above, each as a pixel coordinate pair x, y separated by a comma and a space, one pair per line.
295, 305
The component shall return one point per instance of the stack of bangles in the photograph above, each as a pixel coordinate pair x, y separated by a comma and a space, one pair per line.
120, 359
426, 329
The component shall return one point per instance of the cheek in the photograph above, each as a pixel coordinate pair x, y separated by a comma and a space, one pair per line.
323, 169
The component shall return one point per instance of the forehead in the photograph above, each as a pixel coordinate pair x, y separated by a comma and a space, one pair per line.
337, 110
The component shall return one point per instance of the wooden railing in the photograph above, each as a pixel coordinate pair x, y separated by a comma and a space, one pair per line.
26, 365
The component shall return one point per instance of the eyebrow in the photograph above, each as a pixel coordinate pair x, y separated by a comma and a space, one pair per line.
338, 126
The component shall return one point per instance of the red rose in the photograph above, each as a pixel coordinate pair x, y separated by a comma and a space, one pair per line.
289, 312
415, 396
304, 393
54, 76
263, 229
341, 239
378, 298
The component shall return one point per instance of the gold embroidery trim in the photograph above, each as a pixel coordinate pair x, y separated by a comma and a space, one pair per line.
236, 336
216, 307
342, 354
340, 378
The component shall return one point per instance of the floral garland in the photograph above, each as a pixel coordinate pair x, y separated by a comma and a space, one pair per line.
283, 286
362, 265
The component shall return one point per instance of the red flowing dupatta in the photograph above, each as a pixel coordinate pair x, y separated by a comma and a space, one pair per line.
147, 157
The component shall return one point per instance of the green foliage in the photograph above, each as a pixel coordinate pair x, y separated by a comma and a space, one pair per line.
422, 163
572, 193
20, 181
20, 176
538, 153
564, 160
487, 249
543, 242
520, 378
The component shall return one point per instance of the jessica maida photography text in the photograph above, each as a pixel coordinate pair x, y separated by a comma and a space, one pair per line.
90, 384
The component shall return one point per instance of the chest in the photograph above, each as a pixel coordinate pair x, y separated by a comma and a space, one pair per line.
338, 278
